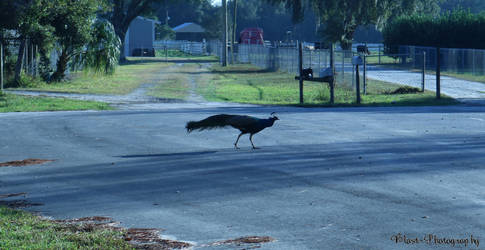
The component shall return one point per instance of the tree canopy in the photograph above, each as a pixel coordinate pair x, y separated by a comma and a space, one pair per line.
339, 19
456, 29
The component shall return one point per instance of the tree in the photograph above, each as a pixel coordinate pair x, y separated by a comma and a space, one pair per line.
123, 12
176, 12
103, 51
30, 23
456, 29
475, 6
340, 18
164, 32
275, 20
72, 22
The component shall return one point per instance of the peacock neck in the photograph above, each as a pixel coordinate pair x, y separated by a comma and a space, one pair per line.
269, 122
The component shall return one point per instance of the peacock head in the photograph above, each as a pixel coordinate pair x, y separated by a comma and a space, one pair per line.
274, 117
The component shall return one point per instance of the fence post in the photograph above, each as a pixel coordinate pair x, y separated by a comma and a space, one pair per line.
379, 51
166, 53
300, 67
353, 75
224, 23
332, 82
319, 60
1, 66
357, 83
438, 73
365, 75
343, 66
332, 58
26, 58
32, 59
36, 60
423, 78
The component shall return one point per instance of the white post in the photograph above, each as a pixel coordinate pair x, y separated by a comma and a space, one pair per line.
1, 65
36, 60
224, 52
32, 59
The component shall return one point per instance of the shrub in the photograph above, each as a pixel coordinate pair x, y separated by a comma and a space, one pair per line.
457, 29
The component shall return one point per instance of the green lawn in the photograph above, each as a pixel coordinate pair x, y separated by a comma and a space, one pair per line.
22, 230
248, 84
241, 83
128, 77
16, 103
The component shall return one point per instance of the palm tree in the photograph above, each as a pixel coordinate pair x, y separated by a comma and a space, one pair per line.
103, 51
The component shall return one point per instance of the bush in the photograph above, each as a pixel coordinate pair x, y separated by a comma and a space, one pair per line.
457, 29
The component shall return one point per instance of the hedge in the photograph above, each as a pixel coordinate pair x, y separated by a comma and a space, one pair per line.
457, 29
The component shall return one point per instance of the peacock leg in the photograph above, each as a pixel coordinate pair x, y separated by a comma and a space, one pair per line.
235, 144
251, 140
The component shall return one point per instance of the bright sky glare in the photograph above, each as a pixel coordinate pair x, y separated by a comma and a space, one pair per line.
216, 2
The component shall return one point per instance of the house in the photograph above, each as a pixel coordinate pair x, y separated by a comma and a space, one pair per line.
140, 36
189, 31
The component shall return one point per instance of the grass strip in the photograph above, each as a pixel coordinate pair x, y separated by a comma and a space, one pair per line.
22, 230
245, 83
17, 103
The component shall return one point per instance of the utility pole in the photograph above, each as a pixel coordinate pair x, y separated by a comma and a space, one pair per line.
224, 46
1, 66
166, 13
438, 73
300, 68
234, 26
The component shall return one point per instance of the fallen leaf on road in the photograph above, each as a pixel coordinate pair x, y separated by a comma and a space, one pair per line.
11, 195
23, 162
244, 240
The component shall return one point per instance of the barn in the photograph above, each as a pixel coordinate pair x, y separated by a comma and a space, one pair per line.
140, 36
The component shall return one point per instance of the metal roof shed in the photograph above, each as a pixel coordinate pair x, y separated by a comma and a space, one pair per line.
140, 35
189, 31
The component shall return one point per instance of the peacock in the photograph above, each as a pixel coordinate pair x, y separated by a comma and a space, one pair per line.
246, 124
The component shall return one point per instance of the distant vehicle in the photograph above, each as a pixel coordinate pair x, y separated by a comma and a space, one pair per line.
251, 36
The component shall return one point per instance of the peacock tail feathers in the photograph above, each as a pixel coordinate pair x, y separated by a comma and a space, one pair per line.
211, 122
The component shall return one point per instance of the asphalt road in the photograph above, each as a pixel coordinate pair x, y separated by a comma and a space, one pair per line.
334, 178
462, 90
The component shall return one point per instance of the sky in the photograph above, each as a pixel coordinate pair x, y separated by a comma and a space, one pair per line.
216, 2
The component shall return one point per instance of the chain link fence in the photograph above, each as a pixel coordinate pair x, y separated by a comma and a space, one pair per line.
9, 60
192, 48
379, 67
461, 70
458, 61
